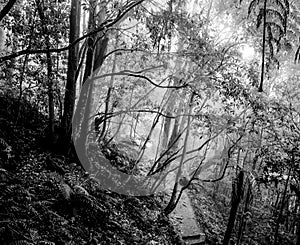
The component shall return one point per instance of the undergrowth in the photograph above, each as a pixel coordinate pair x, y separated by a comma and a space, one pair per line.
46, 198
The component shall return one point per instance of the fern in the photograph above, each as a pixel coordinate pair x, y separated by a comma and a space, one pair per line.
276, 12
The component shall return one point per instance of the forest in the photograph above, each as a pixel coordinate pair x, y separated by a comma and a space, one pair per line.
149, 122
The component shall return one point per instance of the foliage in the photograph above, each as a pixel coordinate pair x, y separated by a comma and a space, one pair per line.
168, 92
40, 206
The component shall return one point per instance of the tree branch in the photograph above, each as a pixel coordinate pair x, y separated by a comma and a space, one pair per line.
102, 28
7, 8
229, 152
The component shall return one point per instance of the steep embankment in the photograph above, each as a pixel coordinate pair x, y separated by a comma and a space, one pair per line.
47, 199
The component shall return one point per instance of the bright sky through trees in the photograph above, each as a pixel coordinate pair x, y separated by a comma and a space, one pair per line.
248, 52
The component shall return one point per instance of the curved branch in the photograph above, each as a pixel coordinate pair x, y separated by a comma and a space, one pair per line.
137, 74
157, 85
124, 50
229, 152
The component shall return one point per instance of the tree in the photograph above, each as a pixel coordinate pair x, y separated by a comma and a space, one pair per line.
72, 74
237, 194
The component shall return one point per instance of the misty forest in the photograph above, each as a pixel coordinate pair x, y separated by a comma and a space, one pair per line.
149, 122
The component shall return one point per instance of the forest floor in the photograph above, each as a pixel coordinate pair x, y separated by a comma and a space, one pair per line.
39, 205
46, 198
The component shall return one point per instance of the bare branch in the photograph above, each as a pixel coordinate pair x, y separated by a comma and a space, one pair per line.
229, 152
7, 8
137, 74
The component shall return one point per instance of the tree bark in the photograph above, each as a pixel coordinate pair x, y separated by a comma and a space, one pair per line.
94, 59
172, 203
237, 192
70, 90
49, 73
298, 234
7, 8
109, 92
282, 204
260, 89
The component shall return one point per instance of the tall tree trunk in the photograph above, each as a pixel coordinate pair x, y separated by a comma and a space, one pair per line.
70, 90
246, 209
260, 89
166, 130
24, 70
282, 203
172, 203
298, 233
94, 59
237, 193
50, 97
49, 72
109, 91
176, 128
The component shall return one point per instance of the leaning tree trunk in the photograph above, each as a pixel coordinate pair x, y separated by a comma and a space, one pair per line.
237, 193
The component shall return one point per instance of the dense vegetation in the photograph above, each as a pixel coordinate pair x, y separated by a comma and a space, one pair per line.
104, 100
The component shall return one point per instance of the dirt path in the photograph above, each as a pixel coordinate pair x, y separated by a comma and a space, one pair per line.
187, 223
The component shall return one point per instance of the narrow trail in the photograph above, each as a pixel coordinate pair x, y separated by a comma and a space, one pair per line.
183, 215
187, 223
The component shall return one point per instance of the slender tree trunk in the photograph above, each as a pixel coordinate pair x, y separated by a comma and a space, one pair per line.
121, 120
298, 233
109, 91
282, 204
70, 90
172, 203
237, 192
167, 121
246, 208
50, 96
94, 58
260, 89
24, 67
143, 147
176, 128
166, 131
49, 72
